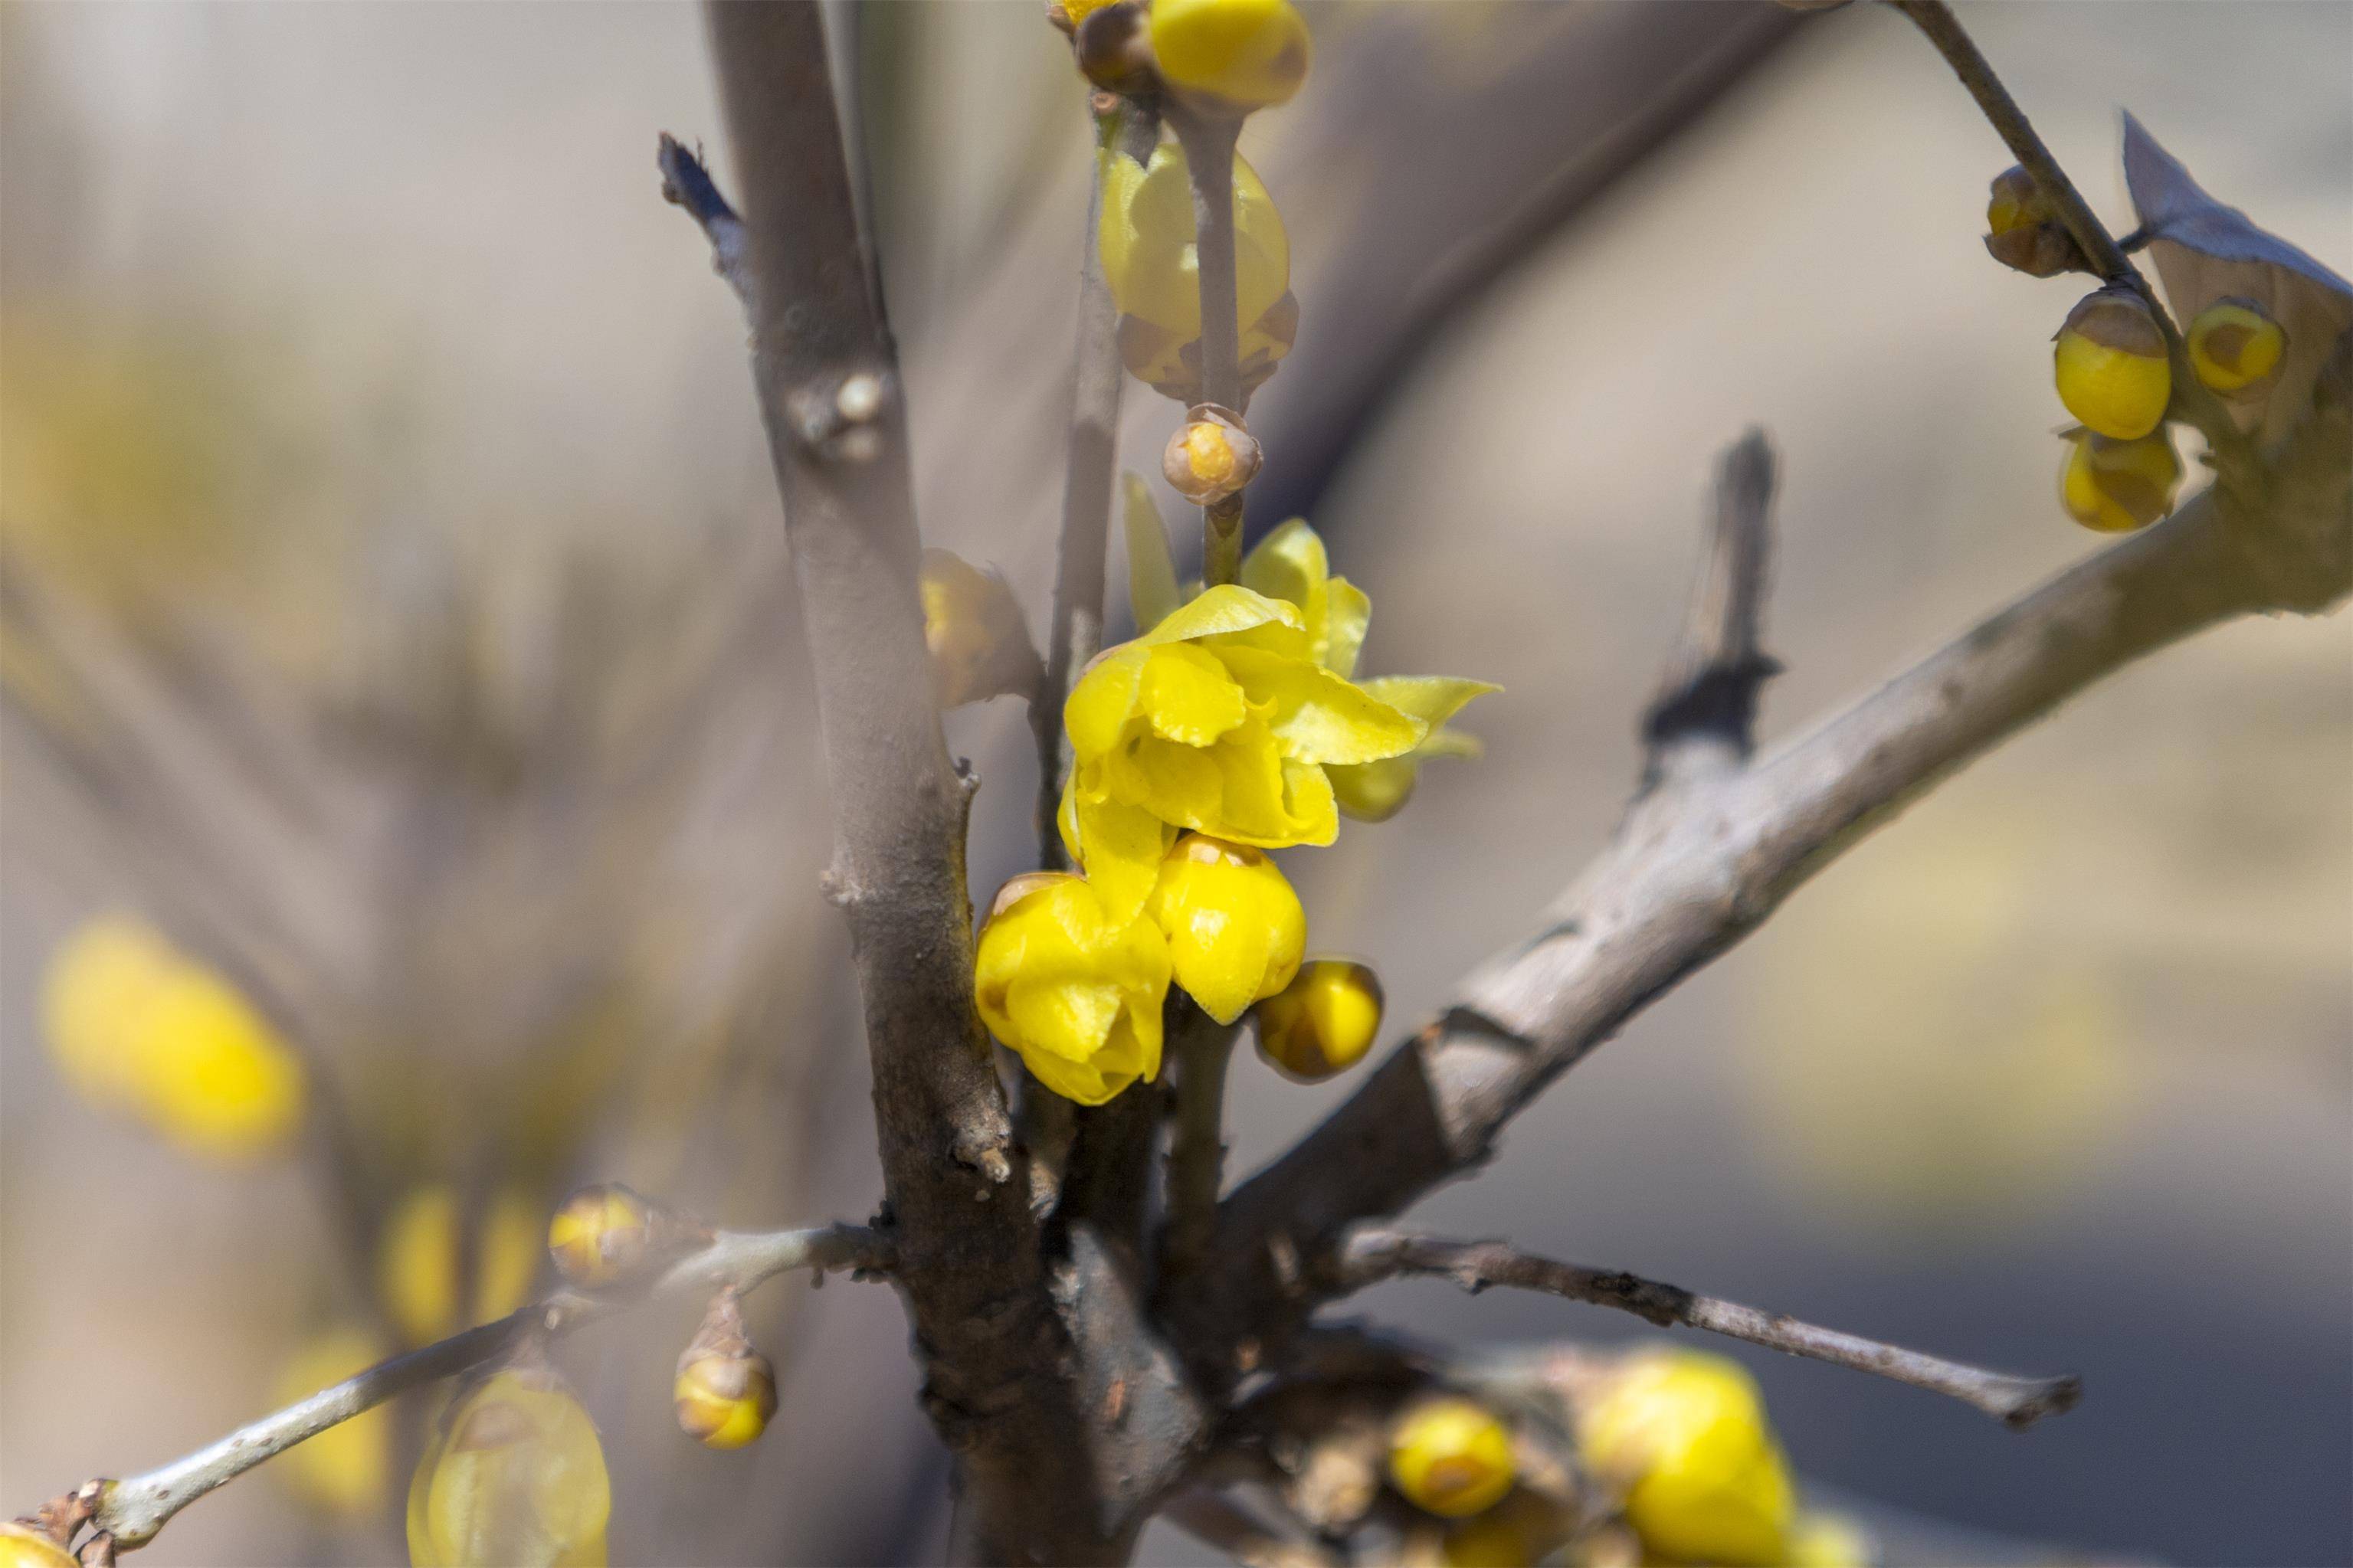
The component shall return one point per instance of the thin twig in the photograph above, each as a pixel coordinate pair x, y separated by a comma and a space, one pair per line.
2234, 453
1703, 718
1076, 630
1368, 1257
134, 1509
1208, 143
1197, 1149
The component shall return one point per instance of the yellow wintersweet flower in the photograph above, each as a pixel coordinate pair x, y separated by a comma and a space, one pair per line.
1321, 1022
513, 1475
135, 1025
1451, 1457
1152, 268
1684, 1434
1235, 929
23, 1546
1072, 986
1251, 54
347, 1468
1291, 564
417, 1260
1220, 720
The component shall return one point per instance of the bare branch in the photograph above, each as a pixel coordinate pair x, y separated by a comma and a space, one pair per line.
1368, 1257
2235, 455
1675, 888
1703, 718
133, 1510
1196, 1149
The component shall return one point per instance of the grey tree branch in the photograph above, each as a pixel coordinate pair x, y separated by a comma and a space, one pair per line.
131, 1510
2234, 453
1686, 877
1703, 719
1015, 1341
1367, 1256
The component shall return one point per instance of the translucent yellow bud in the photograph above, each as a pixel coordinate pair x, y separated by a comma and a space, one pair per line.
1235, 928
2235, 343
1684, 1435
1249, 53
418, 1260
980, 643
1170, 363
1071, 987
97, 984
1147, 243
601, 1235
23, 1546
512, 1474
2111, 366
1321, 1022
2115, 486
725, 1401
1451, 1457
2016, 202
347, 1468
1211, 456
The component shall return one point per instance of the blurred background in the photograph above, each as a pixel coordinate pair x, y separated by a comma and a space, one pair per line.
395, 621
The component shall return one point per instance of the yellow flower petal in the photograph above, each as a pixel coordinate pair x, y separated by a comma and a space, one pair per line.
1187, 697
1227, 609
1317, 717
1288, 563
1104, 699
1147, 242
1072, 988
1347, 611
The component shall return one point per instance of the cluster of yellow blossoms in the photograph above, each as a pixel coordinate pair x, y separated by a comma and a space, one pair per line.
1231, 726
136, 1026
2114, 368
1679, 1439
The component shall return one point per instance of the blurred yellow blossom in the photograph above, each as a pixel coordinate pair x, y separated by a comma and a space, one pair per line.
978, 642
1684, 1435
1073, 986
1235, 929
134, 1024
347, 1468
1323, 1021
511, 1476
1451, 1457
1152, 269
418, 1260
1249, 54
23, 1546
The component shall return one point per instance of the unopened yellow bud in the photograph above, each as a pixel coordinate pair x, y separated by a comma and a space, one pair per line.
347, 1468
2234, 344
1075, 991
25, 1546
2111, 365
1684, 1435
1249, 54
1451, 1457
725, 1391
512, 1473
1235, 928
2025, 231
2016, 202
1211, 456
418, 1260
1321, 1022
2115, 487
601, 1234
978, 642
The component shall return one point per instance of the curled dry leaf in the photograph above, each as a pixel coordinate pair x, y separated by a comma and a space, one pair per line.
2205, 251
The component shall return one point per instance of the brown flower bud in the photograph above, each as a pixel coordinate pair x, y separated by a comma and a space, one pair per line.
1113, 43
1212, 457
